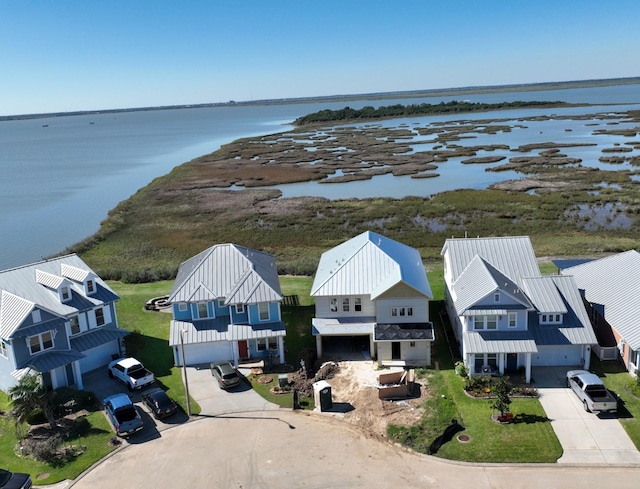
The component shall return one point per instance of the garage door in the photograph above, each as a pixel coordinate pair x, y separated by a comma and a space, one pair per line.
208, 352
99, 356
550, 356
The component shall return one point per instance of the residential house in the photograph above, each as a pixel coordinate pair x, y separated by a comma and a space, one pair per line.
57, 318
373, 293
611, 287
226, 306
505, 315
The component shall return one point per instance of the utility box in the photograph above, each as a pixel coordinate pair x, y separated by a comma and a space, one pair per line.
322, 395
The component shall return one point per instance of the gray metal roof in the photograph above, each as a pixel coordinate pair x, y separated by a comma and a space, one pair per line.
343, 326
20, 292
511, 255
234, 273
544, 294
614, 282
96, 337
499, 342
369, 264
51, 359
403, 332
217, 329
478, 280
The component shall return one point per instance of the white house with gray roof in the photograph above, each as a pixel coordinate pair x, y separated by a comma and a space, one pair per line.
226, 306
58, 319
372, 293
505, 315
612, 286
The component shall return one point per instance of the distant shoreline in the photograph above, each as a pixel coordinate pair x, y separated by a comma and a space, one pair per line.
524, 87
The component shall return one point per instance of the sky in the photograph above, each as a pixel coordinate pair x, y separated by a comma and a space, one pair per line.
66, 55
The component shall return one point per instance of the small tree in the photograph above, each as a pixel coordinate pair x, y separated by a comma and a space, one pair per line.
502, 390
29, 395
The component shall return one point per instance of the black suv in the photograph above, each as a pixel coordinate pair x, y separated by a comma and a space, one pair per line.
9, 480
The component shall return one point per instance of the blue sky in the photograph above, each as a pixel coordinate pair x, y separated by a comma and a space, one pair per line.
68, 55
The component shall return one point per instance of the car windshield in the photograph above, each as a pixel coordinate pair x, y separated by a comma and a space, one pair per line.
5, 476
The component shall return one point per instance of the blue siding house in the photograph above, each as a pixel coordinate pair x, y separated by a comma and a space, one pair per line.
226, 306
57, 319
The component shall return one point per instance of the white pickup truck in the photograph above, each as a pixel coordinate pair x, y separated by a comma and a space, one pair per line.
591, 391
131, 372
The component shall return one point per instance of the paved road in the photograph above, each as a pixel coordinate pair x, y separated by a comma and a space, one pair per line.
283, 449
586, 438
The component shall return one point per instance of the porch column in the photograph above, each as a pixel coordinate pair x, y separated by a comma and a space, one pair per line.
527, 368
281, 348
319, 346
471, 364
587, 357
501, 357
77, 374
235, 353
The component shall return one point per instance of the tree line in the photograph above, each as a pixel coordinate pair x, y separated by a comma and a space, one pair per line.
399, 110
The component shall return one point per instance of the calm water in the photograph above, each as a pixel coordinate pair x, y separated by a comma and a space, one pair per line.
61, 176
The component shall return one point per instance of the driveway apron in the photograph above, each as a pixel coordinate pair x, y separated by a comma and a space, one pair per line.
586, 438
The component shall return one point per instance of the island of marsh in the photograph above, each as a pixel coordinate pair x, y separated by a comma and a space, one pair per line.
575, 196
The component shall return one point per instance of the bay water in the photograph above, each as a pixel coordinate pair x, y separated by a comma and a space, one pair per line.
60, 176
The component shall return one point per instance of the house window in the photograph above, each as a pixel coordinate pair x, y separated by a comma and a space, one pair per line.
261, 344
478, 322
182, 306
263, 311
40, 342
35, 316
273, 343
496, 297
557, 318
74, 325
91, 287
357, 304
333, 305
492, 322
513, 317
100, 316
401, 311
492, 360
409, 311
203, 310
65, 294
345, 304
551, 319
412, 344
3, 349
394, 312
221, 303
240, 308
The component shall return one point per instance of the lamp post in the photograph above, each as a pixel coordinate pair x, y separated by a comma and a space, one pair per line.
184, 369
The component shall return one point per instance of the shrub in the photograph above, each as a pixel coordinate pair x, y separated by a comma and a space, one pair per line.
461, 369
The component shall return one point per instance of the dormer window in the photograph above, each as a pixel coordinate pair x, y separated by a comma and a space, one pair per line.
551, 319
240, 308
91, 287
65, 293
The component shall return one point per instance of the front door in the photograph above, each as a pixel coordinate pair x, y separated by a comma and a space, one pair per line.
395, 350
512, 362
243, 349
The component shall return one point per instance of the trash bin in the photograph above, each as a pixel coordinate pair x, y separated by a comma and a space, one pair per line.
283, 380
322, 395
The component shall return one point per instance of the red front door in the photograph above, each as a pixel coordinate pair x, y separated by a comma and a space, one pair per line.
243, 349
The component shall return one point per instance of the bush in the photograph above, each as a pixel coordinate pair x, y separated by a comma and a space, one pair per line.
461, 369
66, 400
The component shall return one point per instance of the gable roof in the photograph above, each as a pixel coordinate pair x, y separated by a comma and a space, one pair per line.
511, 255
480, 279
234, 273
33, 286
614, 282
369, 264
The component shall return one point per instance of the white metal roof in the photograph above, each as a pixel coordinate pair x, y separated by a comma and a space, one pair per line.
499, 342
369, 264
21, 291
614, 282
544, 293
212, 330
511, 255
234, 273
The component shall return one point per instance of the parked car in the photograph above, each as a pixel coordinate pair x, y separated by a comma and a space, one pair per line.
131, 372
123, 414
14, 480
160, 404
226, 374
591, 391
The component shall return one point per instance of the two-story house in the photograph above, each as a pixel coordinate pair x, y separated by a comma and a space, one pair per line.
612, 288
57, 318
226, 306
507, 316
373, 293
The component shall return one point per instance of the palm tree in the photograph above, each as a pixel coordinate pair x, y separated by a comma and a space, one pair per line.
29, 395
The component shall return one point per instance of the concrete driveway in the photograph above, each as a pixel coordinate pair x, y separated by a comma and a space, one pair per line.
586, 438
215, 401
